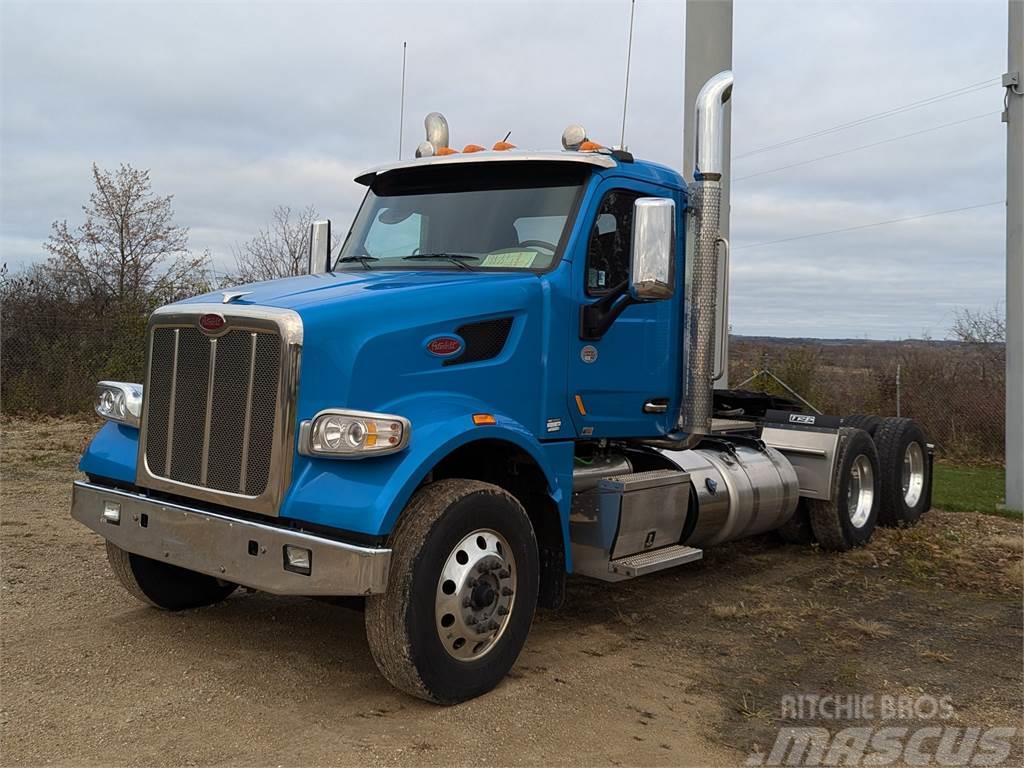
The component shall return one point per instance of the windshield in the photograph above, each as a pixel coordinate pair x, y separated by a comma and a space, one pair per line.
482, 217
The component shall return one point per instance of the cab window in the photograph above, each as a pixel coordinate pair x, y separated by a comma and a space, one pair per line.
611, 239
394, 237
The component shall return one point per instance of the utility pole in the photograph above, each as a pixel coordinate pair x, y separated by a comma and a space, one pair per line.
708, 52
1013, 81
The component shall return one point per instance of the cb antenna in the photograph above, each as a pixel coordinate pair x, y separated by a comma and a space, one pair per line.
629, 54
401, 107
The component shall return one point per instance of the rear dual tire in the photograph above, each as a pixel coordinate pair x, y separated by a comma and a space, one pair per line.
906, 472
849, 517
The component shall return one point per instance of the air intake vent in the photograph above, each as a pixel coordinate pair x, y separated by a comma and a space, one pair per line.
484, 340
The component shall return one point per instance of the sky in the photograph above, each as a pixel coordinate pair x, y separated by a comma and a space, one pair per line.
238, 107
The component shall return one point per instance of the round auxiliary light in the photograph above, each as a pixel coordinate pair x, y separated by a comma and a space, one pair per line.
573, 136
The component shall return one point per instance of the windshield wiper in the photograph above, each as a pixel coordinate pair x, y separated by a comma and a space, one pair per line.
455, 258
364, 260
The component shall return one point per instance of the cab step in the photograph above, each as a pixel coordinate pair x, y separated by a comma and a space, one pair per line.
654, 560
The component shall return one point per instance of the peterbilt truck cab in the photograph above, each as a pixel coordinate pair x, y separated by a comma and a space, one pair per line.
502, 376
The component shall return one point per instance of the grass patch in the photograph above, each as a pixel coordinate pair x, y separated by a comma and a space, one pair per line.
970, 489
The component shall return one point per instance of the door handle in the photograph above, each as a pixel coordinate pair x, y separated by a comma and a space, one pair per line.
656, 405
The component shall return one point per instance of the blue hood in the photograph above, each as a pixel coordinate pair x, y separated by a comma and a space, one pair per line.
310, 291
366, 335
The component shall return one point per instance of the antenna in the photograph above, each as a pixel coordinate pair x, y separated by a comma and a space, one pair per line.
629, 54
401, 109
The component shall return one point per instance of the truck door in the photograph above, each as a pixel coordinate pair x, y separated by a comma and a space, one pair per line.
625, 383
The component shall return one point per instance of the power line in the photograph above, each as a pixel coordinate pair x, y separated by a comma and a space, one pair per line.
866, 146
868, 226
963, 91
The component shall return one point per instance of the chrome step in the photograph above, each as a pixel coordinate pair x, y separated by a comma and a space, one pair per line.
654, 560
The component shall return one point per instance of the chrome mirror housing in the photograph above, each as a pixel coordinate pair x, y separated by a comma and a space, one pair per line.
319, 247
652, 266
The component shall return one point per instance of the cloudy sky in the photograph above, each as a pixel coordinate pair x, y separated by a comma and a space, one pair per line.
238, 107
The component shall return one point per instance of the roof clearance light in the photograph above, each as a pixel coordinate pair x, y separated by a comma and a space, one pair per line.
446, 151
590, 146
472, 148
503, 146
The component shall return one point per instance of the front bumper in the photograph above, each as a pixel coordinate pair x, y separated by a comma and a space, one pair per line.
239, 551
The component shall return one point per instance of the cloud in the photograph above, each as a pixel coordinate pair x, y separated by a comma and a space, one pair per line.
237, 108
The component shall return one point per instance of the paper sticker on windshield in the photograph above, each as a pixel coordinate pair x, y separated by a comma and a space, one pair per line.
513, 259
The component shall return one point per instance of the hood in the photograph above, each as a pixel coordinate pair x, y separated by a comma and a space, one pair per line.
306, 292
366, 335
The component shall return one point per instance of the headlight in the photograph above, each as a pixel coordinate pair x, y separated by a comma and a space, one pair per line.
120, 402
353, 434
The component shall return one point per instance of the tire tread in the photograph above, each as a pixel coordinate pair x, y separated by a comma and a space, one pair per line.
386, 627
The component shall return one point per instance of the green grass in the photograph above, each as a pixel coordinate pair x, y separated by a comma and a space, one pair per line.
970, 489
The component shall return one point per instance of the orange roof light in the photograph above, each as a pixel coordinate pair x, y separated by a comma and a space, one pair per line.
446, 151
484, 419
590, 146
503, 146
472, 148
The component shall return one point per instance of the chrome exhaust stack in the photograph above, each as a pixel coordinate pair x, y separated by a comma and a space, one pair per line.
701, 278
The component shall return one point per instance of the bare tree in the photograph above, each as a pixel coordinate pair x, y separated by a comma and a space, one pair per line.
281, 249
985, 331
982, 327
128, 250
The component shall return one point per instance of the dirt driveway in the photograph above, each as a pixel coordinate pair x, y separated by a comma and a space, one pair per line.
686, 667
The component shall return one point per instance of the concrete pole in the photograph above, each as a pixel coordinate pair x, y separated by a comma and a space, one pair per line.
1014, 117
708, 52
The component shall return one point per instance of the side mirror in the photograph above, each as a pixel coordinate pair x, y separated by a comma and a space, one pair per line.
652, 267
319, 247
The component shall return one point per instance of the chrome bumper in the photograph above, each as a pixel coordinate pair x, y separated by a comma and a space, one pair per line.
239, 551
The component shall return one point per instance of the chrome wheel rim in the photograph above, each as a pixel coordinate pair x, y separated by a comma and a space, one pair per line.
860, 492
912, 480
475, 595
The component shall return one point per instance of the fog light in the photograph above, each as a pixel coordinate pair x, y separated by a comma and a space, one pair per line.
298, 560
112, 512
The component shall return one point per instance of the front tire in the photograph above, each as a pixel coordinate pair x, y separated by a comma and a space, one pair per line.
163, 585
461, 592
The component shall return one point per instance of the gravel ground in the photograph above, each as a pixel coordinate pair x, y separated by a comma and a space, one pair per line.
685, 667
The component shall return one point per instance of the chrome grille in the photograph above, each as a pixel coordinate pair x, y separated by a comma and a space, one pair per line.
212, 401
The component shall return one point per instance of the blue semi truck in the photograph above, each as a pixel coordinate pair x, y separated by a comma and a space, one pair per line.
502, 376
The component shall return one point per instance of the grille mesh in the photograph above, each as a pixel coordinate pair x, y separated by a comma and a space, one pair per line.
484, 340
246, 369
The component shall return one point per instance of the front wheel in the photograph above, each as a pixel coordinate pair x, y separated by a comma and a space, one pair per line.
461, 592
163, 585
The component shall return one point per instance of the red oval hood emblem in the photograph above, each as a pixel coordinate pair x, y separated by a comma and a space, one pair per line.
211, 322
444, 346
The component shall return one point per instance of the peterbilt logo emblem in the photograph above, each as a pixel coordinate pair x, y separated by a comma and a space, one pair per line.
444, 346
211, 322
